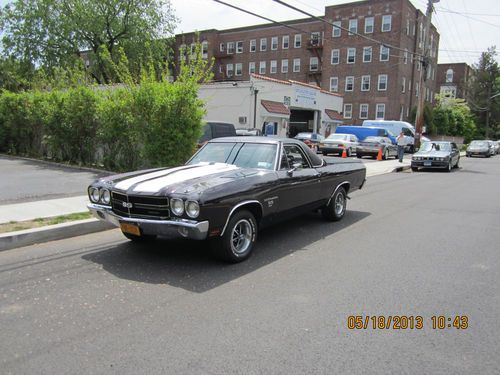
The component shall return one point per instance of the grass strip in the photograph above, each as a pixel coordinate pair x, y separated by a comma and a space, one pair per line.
42, 222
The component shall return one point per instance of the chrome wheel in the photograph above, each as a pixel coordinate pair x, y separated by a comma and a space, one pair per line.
339, 204
241, 236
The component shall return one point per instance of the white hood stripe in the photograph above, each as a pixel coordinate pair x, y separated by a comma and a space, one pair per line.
126, 184
155, 185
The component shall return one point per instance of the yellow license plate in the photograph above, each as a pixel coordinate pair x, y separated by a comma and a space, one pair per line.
130, 228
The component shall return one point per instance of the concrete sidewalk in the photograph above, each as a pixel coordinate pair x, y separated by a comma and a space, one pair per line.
64, 206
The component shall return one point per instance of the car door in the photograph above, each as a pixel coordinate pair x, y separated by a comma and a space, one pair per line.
300, 188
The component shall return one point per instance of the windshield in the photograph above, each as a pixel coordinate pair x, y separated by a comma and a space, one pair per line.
438, 146
478, 144
337, 136
244, 155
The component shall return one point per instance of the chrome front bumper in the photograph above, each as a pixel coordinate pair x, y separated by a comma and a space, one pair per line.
195, 230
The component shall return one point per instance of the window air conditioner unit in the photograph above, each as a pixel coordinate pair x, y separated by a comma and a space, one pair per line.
242, 120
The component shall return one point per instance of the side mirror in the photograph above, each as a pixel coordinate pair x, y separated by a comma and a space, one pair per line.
295, 167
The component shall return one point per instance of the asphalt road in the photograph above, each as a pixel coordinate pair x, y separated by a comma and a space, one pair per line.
29, 180
415, 244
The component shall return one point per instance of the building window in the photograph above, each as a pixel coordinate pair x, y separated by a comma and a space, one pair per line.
274, 43
335, 56
349, 83
230, 47
253, 45
449, 76
365, 83
405, 57
285, 42
221, 47
384, 53
239, 47
204, 49
369, 22
367, 54
229, 70
315, 38
403, 85
274, 67
386, 23
262, 67
313, 64
382, 82
263, 44
380, 112
409, 85
238, 69
351, 55
251, 67
407, 29
221, 69
363, 111
296, 65
298, 41
353, 26
334, 84
417, 89
347, 110
284, 66
336, 31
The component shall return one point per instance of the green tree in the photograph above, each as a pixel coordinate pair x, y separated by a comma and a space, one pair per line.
55, 33
484, 86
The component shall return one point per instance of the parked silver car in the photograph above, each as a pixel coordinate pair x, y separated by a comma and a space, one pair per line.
441, 155
336, 143
497, 146
493, 150
478, 148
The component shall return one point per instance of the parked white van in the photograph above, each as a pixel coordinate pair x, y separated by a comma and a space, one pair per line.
396, 127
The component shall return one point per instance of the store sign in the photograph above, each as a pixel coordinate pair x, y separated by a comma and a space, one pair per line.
305, 97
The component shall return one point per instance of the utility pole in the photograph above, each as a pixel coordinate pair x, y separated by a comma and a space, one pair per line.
424, 61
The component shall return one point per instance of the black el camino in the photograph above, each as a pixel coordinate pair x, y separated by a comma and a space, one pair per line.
226, 192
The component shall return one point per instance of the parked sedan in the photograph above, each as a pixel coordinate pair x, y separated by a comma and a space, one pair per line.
226, 192
310, 139
478, 148
337, 143
370, 146
493, 150
441, 155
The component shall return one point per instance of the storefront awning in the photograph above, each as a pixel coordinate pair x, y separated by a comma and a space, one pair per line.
334, 115
275, 107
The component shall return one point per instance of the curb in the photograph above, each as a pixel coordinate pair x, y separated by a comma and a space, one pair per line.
11, 240
401, 168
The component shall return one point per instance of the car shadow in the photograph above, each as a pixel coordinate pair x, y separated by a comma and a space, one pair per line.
190, 266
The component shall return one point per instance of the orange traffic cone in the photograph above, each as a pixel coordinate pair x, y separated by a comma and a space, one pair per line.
344, 153
379, 155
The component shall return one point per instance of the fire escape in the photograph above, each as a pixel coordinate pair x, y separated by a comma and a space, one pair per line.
315, 45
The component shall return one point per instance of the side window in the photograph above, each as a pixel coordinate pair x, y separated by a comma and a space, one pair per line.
284, 166
454, 146
407, 132
295, 155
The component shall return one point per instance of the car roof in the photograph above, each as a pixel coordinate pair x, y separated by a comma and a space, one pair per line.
255, 139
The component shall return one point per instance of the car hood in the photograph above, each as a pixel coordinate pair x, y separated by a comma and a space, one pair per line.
184, 180
432, 153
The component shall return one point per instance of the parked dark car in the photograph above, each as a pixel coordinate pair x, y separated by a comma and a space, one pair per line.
310, 139
226, 192
370, 146
441, 155
216, 129
478, 148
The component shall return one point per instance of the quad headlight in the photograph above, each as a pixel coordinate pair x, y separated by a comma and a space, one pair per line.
192, 209
94, 194
177, 206
105, 196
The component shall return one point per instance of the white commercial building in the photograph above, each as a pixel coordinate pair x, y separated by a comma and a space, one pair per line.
276, 107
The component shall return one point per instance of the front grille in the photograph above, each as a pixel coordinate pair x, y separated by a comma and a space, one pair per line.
141, 207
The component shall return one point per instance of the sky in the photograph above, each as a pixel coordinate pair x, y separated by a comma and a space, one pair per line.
467, 28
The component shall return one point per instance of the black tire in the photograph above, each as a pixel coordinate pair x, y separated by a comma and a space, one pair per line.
143, 238
336, 208
449, 167
237, 243
324, 153
359, 156
412, 149
414, 169
349, 153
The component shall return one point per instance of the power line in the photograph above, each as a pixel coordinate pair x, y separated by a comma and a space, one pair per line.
467, 16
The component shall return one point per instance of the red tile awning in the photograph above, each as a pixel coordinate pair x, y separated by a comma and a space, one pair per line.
334, 115
275, 107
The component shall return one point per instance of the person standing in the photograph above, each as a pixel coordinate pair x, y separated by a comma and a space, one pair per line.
401, 146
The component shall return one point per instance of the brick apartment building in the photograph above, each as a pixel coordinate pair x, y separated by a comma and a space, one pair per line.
375, 80
453, 79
